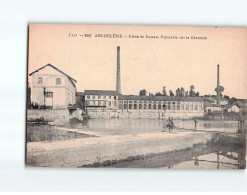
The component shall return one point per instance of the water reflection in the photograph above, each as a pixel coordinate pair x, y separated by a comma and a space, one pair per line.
200, 157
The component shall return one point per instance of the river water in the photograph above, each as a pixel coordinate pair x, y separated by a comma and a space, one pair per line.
213, 156
134, 126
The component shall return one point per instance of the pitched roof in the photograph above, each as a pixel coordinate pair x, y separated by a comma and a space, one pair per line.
160, 98
101, 92
70, 78
227, 106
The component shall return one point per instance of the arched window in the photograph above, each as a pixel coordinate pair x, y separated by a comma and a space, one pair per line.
140, 106
154, 106
135, 105
120, 105
145, 106
169, 106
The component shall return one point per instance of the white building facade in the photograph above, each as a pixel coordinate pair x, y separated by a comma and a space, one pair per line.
53, 88
111, 104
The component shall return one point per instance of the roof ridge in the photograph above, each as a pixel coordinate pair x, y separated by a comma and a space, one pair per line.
70, 78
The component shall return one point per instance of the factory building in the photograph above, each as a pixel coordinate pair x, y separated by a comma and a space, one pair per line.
113, 104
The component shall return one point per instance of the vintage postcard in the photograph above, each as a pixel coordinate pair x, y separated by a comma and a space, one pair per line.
119, 96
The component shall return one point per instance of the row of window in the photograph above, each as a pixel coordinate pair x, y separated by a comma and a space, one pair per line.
130, 102
146, 106
101, 103
159, 106
40, 80
101, 97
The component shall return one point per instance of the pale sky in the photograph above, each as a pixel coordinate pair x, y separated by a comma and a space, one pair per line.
145, 63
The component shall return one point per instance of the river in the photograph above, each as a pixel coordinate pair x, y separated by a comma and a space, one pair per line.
134, 126
212, 156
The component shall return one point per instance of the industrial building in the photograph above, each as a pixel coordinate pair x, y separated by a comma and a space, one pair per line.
111, 104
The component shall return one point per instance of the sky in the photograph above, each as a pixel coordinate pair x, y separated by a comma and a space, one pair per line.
146, 63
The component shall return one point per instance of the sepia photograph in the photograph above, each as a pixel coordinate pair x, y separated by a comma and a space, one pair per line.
126, 96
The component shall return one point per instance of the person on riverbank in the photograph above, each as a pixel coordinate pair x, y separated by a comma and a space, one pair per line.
169, 124
195, 121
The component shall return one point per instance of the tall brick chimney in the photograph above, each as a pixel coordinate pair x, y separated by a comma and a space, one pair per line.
218, 84
118, 81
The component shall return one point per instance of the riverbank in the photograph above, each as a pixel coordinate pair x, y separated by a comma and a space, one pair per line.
94, 150
217, 116
57, 116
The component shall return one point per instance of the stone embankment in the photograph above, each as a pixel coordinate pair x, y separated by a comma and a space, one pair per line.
54, 116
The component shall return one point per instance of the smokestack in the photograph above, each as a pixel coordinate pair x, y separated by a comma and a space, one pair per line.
118, 84
218, 84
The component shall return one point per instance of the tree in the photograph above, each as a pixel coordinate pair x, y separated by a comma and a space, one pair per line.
158, 94
232, 100
143, 92
182, 92
192, 93
186, 94
164, 91
197, 94
150, 94
171, 93
178, 92
221, 90
227, 97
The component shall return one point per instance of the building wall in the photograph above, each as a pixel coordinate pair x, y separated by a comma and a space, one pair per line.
59, 99
234, 108
143, 109
213, 109
109, 101
63, 93
142, 114
56, 116
222, 102
70, 92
